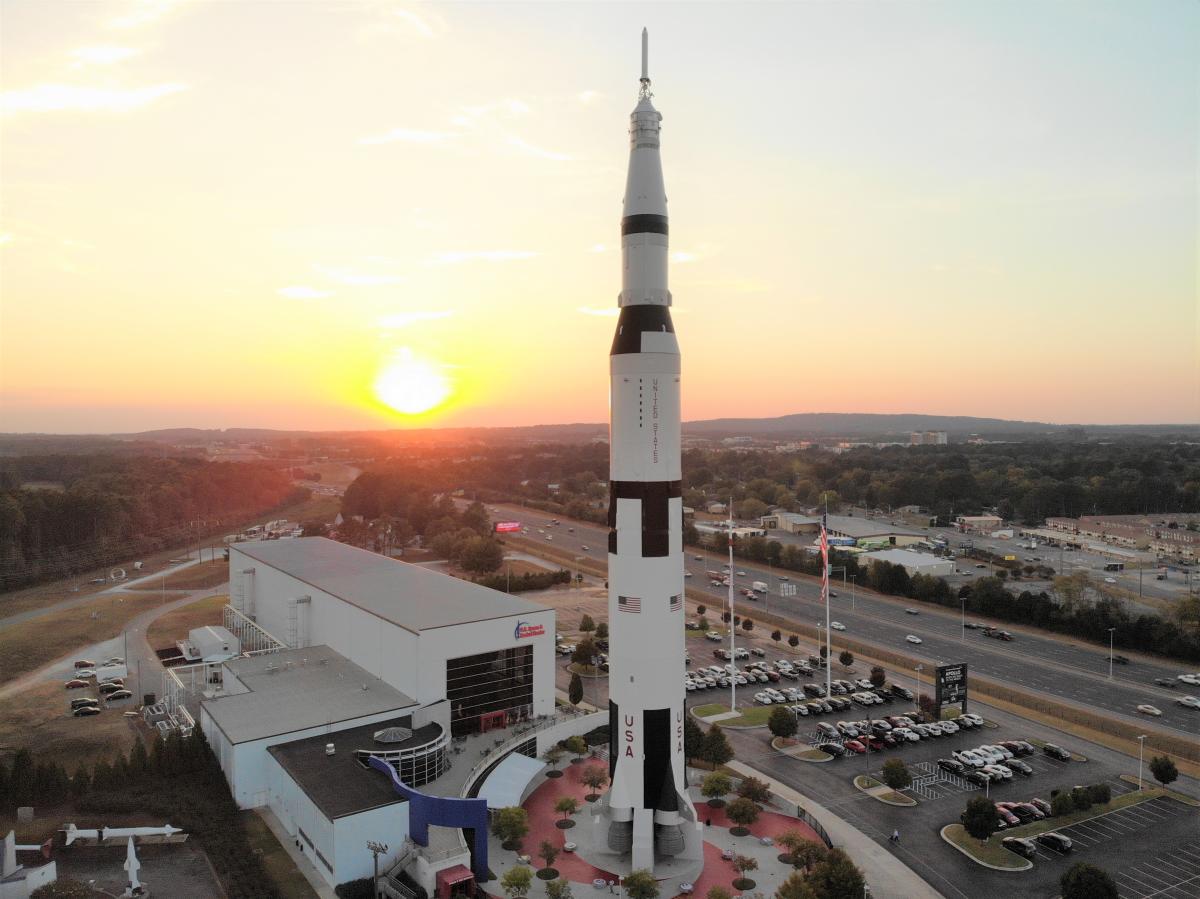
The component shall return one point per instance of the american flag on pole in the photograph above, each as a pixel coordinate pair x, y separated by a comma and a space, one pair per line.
629, 604
824, 559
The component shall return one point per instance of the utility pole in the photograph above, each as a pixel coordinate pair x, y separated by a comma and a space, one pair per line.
1141, 746
376, 850
919, 669
1110, 651
963, 601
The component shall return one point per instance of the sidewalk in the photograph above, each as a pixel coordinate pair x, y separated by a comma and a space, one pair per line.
307, 868
887, 876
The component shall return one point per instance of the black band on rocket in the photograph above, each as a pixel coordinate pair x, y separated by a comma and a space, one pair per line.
643, 224
633, 321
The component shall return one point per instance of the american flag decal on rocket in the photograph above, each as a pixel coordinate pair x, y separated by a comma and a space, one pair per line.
629, 604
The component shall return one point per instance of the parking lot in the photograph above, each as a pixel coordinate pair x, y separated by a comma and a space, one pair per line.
1172, 875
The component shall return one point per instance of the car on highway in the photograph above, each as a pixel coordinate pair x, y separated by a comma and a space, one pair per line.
1110, 580
1166, 682
1056, 841
75, 684
1192, 680
911, 612
741, 574
85, 711
783, 577
1152, 711
714, 636
1022, 846
1189, 702
1055, 751
837, 625
913, 638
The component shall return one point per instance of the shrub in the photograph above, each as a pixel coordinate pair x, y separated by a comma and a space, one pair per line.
1081, 798
715, 785
755, 790
1100, 793
846, 658
1084, 881
793, 641
1163, 769
641, 885
878, 676
782, 722
895, 774
1062, 804
742, 812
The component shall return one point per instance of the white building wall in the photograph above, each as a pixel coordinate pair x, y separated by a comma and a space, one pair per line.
353, 860
301, 818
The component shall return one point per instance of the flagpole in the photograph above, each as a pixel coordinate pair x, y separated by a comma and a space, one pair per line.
732, 626
825, 590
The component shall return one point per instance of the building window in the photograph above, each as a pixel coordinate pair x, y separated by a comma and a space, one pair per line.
480, 687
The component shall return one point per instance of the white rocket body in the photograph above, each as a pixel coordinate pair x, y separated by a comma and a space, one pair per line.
648, 808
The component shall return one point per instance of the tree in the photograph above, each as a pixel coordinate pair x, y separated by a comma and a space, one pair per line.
895, 774
1081, 798
808, 855
702, 624
878, 677
510, 825
777, 635
700, 610
714, 786
575, 689
641, 885
584, 652
602, 630
717, 750
548, 852
1163, 769
793, 641
795, 887
594, 776
743, 864
314, 528
1084, 881
824, 650
747, 624
516, 881
790, 840
480, 555
743, 813
846, 658
1062, 804
560, 888
782, 722
693, 738
586, 624
836, 877
577, 746
980, 818
567, 806
754, 789
552, 756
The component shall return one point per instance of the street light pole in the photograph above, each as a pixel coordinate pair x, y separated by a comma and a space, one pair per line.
1141, 746
963, 601
1110, 651
919, 669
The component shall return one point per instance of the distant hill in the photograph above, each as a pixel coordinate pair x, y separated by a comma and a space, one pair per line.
861, 424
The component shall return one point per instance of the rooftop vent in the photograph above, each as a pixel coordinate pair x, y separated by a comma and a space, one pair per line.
330, 749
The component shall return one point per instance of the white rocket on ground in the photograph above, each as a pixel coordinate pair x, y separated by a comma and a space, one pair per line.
648, 809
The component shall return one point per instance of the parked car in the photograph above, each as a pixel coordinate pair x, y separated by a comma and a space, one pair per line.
951, 765
1019, 766
1006, 816
1056, 752
1056, 841
85, 711
998, 773
120, 694
1166, 682
973, 718
826, 728
913, 638
76, 684
80, 703
1152, 711
1042, 806
876, 744
761, 653
1038, 814
902, 691
110, 689
969, 758
948, 727
977, 777
1022, 846
855, 746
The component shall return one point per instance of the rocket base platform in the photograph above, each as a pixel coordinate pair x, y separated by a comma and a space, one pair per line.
592, 840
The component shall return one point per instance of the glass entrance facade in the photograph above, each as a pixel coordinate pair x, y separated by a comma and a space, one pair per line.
479, 686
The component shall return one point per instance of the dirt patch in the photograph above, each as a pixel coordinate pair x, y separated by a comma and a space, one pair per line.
194, 577
175, 625
283, 872
31, 644
40, 717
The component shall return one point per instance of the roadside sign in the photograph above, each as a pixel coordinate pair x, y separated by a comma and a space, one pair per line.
950, 686
507, 527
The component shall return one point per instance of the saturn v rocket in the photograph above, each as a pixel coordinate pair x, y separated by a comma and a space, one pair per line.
647, 811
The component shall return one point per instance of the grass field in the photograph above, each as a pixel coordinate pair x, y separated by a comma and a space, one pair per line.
39, 718
195, 577
755, 716
175, 625
282, 870
31, 644
990, 852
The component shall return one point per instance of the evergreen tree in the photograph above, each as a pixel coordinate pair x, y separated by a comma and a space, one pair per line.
1084, 881
575, 689
717, 750
21, 778
836, 877
693, 738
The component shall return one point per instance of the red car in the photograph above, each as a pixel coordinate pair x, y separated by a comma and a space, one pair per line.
76, 684
1006, 816
876, 744
855, 746
84, 663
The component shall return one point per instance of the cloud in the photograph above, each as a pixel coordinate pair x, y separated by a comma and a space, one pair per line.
586, 97
408, 135
514, 141
598, 248
454, 257
606, 312
5, 238
303, 292
357, 277
682, 257
64, 97
145, 12
100, 56
404, 319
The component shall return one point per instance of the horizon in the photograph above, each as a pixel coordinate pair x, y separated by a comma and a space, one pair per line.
390, 216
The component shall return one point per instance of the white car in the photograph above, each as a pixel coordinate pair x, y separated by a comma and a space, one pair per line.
975, 720
969, 758
1110, 580
1150, 710
913, 638
949, 727
714, 636
741, 574
1004, 753
1192, 679
763, 699
997, 772
685, 574
837, 625
1190, 702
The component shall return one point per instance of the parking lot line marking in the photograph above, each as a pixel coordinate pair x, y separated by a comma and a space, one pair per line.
1166, 864
1142, 886
1170, 884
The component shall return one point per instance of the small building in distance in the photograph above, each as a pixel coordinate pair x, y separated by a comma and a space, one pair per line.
912, 562
211, 644
928, 438
978, 524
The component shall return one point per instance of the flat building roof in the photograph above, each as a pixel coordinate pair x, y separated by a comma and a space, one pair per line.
410, 596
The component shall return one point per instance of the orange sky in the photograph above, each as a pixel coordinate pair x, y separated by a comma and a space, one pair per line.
223, 214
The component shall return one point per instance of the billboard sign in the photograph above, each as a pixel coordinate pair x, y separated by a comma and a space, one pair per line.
951, 685
507, 527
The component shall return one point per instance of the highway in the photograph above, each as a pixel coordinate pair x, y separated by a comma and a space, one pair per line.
1076, 673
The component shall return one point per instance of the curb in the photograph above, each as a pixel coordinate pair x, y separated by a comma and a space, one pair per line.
1028, 864
786, 754
867, 791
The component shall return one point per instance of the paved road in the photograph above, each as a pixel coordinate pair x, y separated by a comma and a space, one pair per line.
1071, 672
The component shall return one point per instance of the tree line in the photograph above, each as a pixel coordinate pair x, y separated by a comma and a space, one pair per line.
101, 509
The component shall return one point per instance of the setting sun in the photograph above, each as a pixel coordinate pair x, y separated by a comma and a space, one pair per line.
410, 385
